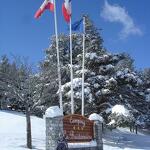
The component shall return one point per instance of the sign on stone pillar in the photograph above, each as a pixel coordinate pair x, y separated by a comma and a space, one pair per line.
78, 128
54, 127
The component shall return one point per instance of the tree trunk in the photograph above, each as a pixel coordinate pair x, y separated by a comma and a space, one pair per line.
28, 127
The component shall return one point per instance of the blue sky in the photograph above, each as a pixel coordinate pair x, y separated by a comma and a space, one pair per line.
124, 23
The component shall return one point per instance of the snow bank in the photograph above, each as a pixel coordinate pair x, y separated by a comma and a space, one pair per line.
120, 110
13, 131
96, 117
53, 111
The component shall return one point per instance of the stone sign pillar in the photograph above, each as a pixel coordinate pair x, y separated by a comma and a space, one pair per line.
54, 127
98, 135
98, 120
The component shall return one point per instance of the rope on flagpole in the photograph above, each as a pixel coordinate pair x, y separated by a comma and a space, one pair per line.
83, 61
71, 70
58, 60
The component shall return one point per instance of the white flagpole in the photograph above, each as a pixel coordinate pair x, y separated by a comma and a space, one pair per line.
71, 70
83, 60
58, 61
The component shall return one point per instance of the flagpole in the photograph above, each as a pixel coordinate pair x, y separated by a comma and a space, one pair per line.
71, 70
58, 60
83, 61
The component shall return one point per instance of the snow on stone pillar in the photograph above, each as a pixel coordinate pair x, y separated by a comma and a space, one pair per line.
98, 120
54, 127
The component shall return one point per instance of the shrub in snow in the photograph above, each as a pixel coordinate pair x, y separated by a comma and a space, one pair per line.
120, 116
120, 109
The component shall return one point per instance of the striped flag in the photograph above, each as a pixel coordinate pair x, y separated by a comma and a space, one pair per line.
47, 4
66, 9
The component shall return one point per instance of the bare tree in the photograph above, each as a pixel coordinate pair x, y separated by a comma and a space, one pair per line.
21, 84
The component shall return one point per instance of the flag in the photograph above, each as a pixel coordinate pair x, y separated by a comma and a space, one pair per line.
76, 26
66, 9
47, 4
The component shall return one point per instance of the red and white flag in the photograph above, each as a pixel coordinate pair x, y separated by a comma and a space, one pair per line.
47, 4
66, 9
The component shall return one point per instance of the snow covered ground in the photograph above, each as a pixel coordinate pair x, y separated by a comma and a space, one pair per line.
13, 131
13, 135
123, 139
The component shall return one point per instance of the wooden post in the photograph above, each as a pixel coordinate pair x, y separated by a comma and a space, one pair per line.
136, 128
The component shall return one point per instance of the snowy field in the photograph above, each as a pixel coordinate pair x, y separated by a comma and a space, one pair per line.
13, 136
123, 139
13, 131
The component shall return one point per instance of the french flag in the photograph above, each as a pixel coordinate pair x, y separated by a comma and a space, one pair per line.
66, 9
47, 4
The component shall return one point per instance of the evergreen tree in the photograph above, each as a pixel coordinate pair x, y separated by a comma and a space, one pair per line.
110, 79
